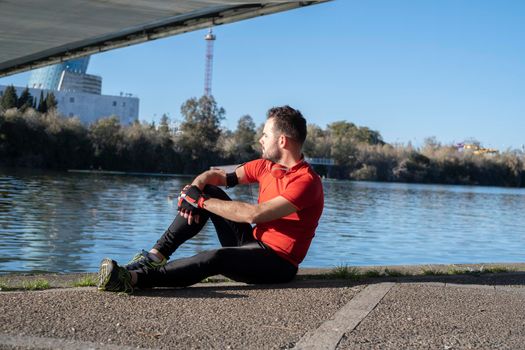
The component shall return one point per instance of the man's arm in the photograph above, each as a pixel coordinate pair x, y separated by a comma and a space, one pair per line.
275, 208
217, 177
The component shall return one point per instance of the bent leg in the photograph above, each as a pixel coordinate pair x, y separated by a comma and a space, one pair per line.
230, 233
177, 233
250, 263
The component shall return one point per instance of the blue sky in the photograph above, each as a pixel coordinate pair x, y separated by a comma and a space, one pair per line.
453, 69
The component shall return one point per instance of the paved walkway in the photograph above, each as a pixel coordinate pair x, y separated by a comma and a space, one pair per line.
422, 312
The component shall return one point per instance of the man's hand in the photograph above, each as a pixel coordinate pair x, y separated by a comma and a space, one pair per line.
185, 209
194, 196
189, 203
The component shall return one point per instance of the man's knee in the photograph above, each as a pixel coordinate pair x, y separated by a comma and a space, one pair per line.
215, 192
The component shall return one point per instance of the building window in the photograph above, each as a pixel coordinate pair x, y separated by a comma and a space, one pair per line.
123, 104
72, 99
114, 103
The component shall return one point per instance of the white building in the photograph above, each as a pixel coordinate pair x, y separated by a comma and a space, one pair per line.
89, 107
75, 82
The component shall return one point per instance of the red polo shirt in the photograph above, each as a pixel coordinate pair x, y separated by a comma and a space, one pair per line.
291, 235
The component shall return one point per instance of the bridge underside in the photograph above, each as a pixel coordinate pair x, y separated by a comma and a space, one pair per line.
36, 33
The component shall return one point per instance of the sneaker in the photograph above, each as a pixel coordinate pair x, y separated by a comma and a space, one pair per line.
143, 260
114, 278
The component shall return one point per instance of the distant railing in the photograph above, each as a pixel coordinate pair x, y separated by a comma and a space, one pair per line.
320, 161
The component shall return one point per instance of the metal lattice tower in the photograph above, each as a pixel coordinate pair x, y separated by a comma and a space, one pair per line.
210, 38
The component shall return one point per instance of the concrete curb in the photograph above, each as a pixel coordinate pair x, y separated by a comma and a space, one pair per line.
408, 273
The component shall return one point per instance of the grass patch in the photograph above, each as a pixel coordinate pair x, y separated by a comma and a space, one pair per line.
395, 273
373, 274
354, 274
216, 280
496, 269
346, 273
482, 270
4, 287
86, 281
453, 270
38, 284
430, 272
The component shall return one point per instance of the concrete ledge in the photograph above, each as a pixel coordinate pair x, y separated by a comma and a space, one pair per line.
418, 269
396, 273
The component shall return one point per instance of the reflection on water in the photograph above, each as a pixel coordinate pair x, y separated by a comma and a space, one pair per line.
68, 222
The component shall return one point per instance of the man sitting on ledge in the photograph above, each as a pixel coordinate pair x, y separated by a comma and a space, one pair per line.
286, 215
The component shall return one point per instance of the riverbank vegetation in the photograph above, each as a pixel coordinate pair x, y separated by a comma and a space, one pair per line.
41, 138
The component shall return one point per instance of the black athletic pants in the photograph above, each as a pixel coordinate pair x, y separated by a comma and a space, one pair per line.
241, 258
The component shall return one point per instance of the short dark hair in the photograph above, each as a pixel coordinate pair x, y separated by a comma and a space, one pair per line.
289, 121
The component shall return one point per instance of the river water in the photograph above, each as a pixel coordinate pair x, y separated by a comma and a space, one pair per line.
66, 222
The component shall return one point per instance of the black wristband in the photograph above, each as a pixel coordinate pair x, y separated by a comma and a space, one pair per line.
231, 180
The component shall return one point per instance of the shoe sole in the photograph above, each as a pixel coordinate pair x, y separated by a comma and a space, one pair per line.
104, 273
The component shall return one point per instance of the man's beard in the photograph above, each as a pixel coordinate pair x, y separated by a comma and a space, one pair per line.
274, 156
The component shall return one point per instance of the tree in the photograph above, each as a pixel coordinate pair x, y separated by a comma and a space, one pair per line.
9, 98
365, 135
42, 106
67, 143
200, 131
243, 138
317, 143
343, 148
430, 145
164, 126
256, 140
106, 137
51, 101
25, 100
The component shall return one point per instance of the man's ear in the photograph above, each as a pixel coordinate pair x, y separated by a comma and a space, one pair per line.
283, 141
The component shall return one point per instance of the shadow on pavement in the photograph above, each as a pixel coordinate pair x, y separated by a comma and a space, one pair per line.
220, 290
216, 290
